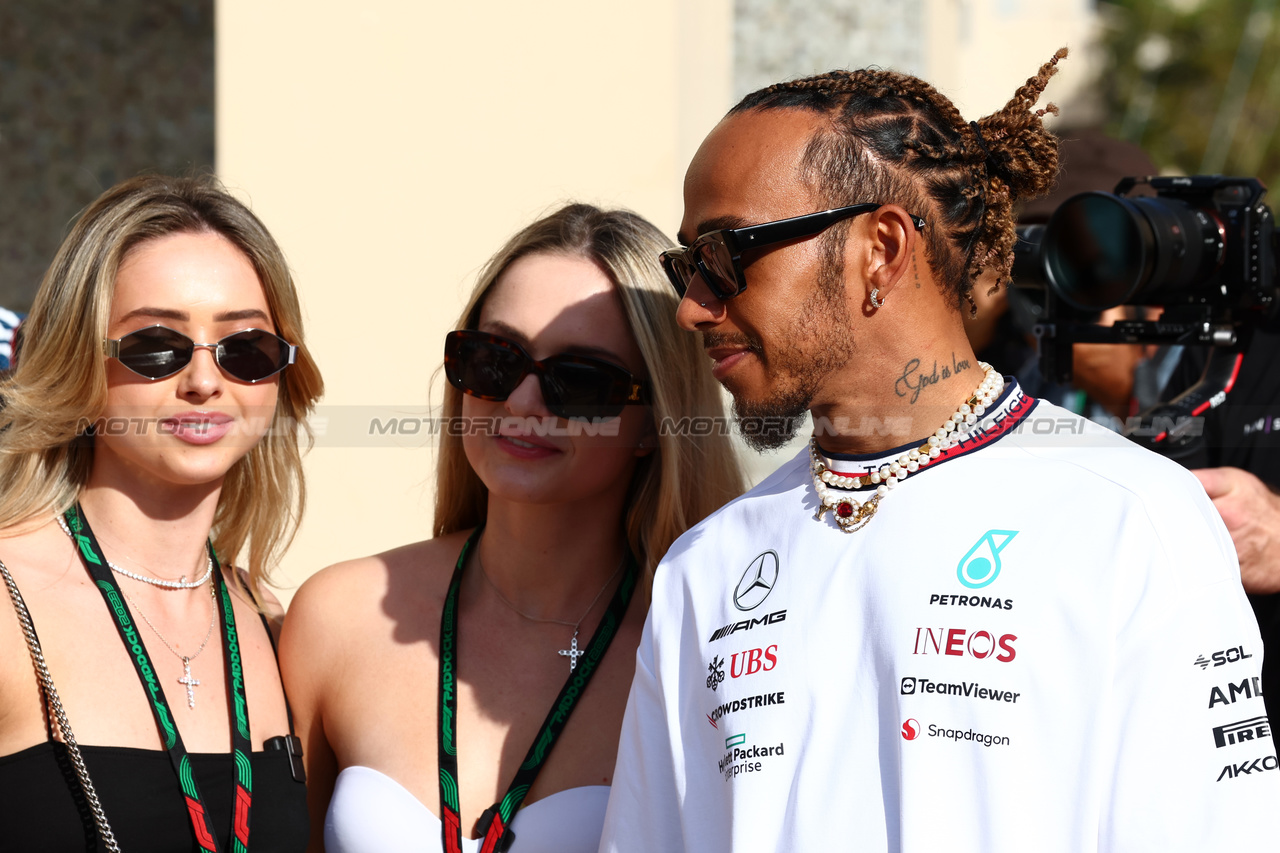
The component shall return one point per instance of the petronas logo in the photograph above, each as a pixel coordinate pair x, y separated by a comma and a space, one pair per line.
981, 565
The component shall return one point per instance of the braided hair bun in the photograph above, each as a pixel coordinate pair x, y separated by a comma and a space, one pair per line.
893, 138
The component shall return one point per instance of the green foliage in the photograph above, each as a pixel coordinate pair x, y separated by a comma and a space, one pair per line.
1196, 83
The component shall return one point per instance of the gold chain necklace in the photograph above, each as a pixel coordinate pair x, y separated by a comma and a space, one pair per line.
572, 653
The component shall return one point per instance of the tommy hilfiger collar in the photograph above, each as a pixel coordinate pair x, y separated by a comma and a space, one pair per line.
834, 489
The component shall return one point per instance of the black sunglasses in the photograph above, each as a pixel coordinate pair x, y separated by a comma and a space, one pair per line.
158, 351
717, 255
578, 387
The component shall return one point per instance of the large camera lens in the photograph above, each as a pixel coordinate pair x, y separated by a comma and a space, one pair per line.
1102, 250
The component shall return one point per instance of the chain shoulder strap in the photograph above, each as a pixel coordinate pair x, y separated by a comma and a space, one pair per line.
60, 715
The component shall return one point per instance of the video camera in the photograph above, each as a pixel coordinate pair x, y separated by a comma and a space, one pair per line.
1202, 248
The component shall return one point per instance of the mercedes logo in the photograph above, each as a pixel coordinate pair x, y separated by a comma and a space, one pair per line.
757, 582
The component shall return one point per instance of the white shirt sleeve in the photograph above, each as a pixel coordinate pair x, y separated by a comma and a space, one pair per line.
1195, 765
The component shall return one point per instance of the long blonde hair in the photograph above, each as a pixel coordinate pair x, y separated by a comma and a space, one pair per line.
60, 383
687, 477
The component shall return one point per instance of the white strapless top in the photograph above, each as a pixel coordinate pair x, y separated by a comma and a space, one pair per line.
372, 813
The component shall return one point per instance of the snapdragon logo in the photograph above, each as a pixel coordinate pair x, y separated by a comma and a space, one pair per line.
912, 730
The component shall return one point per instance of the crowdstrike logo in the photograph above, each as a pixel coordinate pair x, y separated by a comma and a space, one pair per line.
980, 566
760, 700
1222, 658
757, 582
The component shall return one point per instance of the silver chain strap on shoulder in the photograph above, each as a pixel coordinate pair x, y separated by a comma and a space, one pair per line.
55, 704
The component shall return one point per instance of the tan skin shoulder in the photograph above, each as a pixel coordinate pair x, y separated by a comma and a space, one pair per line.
364, 635
92, 671
344, 620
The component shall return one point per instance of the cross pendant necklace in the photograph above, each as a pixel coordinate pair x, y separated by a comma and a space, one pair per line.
190, 683
572, 652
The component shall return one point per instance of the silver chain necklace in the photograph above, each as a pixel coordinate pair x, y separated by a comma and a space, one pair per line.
572, 653
186, 681
181, 583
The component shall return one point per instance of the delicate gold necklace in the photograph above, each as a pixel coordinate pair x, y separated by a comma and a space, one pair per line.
572, 653
834, 489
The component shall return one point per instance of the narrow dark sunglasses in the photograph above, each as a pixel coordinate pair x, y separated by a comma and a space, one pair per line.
158, 351
717, 255
578, 387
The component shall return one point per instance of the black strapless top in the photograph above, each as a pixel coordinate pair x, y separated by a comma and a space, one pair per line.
43, 809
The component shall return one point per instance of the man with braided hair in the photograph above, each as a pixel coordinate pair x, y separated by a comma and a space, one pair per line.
961, 619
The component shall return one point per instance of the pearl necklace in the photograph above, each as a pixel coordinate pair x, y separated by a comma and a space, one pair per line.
851, 514
182, 583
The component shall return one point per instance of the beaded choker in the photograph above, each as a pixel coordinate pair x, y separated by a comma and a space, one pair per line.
833, 489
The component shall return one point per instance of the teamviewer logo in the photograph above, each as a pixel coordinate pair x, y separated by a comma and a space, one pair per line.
908, 686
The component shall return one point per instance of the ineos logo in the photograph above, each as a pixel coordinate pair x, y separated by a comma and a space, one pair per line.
757, 582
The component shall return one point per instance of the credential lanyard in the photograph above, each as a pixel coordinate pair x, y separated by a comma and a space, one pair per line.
201, 820
496, 820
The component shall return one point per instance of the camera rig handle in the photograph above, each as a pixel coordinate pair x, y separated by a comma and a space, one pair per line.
1177, 421
1169, 428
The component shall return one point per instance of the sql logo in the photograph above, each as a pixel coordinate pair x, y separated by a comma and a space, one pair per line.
981, 565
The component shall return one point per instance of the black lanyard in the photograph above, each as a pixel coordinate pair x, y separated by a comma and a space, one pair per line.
496, 820
201, 820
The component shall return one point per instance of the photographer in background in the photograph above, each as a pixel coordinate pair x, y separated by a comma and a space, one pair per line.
1238, 461
1111, 380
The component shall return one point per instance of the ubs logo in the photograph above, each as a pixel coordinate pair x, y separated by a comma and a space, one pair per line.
753, 661
757, 582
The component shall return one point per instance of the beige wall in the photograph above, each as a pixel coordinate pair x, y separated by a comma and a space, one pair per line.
391, 146
980, 51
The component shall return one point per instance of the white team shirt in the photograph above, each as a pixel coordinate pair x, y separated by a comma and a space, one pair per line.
1038, 644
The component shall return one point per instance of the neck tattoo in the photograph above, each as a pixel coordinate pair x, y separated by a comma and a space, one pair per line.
832, 487
572, 653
